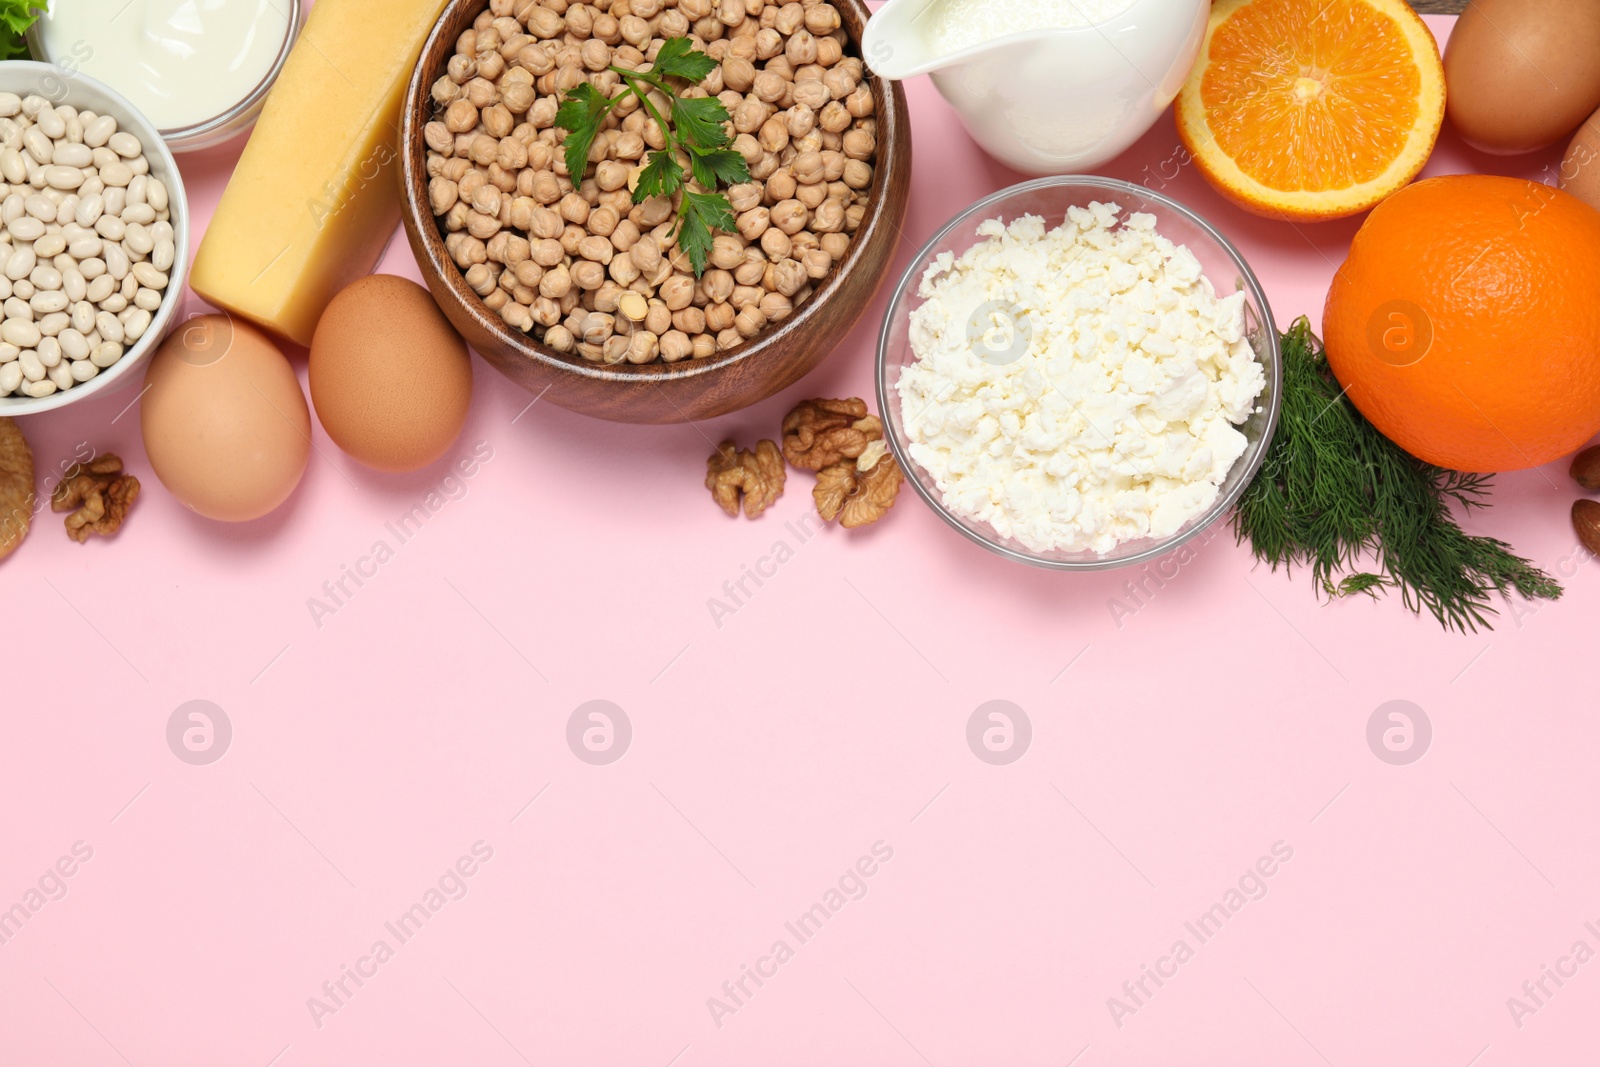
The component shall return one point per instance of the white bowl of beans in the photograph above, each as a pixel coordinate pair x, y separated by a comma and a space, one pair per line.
94, 238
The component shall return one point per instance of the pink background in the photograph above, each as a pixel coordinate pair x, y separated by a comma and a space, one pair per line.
1169, 754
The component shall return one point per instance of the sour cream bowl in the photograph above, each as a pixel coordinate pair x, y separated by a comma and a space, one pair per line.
199, 72
1050, 199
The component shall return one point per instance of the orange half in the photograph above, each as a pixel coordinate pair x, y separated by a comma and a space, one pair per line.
1312, 109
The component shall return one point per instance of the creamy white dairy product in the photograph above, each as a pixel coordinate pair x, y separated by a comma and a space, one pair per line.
1077, 388
181, 62
951, 25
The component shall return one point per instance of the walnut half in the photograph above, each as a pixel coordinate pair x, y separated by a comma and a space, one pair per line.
16, 487
859, 492
736, 475
819, 433
98, 494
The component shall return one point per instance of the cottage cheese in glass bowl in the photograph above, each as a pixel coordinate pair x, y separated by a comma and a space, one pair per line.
1079, 373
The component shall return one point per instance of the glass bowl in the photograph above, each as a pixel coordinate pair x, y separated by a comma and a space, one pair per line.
210, 132
1050, 198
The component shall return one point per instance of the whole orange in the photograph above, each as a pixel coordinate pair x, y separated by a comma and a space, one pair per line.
1466, 322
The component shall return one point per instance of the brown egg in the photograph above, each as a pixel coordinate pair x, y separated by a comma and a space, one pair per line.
390, 378
1522, 74
225, 423
1580, 168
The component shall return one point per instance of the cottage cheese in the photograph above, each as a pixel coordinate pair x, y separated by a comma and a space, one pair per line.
1078, 388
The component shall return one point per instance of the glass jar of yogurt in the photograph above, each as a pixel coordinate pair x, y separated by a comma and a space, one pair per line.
199, 70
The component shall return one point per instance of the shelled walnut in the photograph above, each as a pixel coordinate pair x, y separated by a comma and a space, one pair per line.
755, 479
16, 487
858, 492
98, 494
820, 433
556, 254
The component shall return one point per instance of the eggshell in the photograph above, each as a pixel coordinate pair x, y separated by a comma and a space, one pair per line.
1522, 74
390, 377
225, 424
1580, 169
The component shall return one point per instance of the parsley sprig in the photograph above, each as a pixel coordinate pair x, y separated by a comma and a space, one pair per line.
1334, 492
697, 127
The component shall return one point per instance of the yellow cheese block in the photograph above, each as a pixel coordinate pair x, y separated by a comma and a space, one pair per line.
316, 195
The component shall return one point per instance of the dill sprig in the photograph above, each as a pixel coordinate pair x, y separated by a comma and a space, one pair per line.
1334, 491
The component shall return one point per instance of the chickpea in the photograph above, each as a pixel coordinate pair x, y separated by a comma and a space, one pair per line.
719, 317
770, 86
812, 196
675, 346
791, 17
790, 216
788, 277
625, 235
705, 346
461, 117
623, 270
556, 283
690, 320
738, 74
658, 320
751, 271
730, 12
557, 337
776, 244
776, 306
859, 102
653, 211
768, 43
774, 135
857, 175
677, 292
801, 48
574, 208
615, 350
808, 168
442, 195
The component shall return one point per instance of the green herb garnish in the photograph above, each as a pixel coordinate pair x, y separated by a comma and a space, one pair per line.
1333, 489
697, 128
16, 16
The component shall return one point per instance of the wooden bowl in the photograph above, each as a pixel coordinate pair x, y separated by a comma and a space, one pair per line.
691, 389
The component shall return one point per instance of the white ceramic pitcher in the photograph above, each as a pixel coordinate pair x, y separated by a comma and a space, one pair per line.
1054, 101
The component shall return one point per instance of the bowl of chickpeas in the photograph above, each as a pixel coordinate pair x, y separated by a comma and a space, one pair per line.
575, 287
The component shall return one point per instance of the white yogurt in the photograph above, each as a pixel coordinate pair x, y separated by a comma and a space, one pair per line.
952, 25
181, 62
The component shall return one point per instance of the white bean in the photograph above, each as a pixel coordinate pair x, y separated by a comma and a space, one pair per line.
52, 324
149, 277
61, 376
137, 324
114, 303
51, 123
90, 208
32, 369
49, 246
93, 267
9, 353
49, 351
49, 302
125, 145
10, 104
26, 228
143, 214
18, 309
100, 288
21, 262
165, 251
11, 165
83, 316
87, 247
71, 155
138, 188
96, 133
117, 174
106, 354
39, 390
117, 262
156, 194
111, 227
10, 378
38, 145
136, 239
148, 299
63, 177
116, 199
83, 370
73, 284
74, 344
130, 286
45, 278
